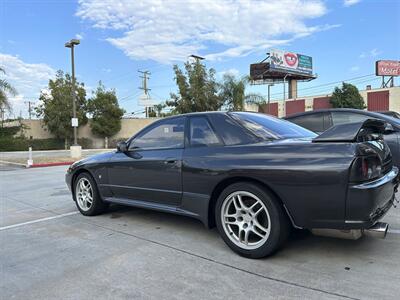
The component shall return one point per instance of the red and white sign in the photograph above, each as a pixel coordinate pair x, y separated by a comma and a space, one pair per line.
388, 68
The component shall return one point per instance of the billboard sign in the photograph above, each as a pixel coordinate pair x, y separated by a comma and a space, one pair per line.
145, 100
290, 62
387, 68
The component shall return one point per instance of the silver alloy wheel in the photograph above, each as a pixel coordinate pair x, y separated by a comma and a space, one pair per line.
245, 220
84, 194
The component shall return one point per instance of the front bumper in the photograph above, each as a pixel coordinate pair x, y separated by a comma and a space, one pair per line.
68, 180
368, 202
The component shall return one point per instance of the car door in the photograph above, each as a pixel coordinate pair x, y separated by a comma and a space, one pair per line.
201, 151
151, 169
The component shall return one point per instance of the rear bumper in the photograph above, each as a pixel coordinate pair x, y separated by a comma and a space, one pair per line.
369, 202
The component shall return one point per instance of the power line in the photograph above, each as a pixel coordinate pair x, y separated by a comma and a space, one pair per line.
328, 84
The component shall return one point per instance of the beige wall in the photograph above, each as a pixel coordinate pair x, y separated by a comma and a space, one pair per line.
129, 127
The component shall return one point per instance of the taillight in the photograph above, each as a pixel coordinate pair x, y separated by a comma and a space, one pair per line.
366, 168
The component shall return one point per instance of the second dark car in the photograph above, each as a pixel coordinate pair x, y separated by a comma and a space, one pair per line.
253, 176
320, 120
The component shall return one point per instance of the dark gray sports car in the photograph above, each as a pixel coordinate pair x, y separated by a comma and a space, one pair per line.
253, 176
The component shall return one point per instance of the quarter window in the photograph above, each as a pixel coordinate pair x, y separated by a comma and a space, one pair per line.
166, 134
201, 133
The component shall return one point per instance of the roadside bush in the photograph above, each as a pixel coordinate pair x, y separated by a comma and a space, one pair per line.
13, 144
85, 143
9, 131
113, 143
23, 144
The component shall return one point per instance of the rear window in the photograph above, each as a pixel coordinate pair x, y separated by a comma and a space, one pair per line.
271, 128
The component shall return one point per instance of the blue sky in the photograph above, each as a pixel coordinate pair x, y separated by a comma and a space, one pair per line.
344, 38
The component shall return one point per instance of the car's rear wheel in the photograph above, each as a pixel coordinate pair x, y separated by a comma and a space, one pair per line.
87, 197
250, 220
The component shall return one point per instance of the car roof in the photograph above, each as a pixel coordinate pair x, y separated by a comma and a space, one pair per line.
377, 115
202, 113
199, 113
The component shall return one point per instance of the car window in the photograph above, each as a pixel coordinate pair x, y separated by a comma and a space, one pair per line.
168, 133
327, 121
270, 128
230, 131
313, 122
347, 117
201, 133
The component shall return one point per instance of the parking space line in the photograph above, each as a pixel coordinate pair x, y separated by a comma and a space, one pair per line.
38, 220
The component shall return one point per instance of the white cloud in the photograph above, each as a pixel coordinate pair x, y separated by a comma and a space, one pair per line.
372, 53
79, 36
28, 79
171, 30
348, 3
232, 71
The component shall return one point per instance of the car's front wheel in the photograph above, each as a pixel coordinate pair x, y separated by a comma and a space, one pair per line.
87, 197
250, 220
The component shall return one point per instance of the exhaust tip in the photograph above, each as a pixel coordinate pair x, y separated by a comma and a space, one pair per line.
379, 230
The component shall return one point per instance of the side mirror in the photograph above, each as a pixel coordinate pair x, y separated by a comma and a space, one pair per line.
389, 128
122, 146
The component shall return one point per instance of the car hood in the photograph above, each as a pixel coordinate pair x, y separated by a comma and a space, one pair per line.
97, 158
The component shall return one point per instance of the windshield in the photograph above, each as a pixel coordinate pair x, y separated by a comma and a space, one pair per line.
271, 128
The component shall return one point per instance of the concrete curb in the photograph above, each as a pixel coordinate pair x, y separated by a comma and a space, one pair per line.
12, 163
67, 163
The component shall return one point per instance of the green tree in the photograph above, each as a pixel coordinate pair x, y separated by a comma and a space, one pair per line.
105, 111
158, 108
198, 89
56, 106
347, 97
232, 92
5, 89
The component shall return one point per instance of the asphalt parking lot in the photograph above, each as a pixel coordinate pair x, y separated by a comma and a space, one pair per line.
48, 250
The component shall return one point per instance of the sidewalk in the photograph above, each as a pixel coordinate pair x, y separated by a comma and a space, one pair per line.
46, 156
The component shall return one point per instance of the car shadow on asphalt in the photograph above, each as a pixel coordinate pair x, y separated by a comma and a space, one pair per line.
301, 243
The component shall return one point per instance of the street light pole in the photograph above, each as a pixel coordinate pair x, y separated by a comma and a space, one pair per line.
73, 94
71, 44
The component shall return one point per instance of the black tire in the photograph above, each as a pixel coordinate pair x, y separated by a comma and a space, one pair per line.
97, 206
280, 226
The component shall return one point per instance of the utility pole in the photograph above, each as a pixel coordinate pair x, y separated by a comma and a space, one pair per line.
145, 77
269, 97
29, 108
76, 151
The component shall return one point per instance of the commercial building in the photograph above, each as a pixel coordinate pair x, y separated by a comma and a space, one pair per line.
382, 99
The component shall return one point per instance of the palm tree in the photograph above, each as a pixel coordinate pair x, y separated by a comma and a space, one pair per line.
5, 88
233, 92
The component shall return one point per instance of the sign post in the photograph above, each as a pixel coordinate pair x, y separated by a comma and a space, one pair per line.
390, 68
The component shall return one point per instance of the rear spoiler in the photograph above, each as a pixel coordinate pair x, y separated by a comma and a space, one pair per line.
351, 132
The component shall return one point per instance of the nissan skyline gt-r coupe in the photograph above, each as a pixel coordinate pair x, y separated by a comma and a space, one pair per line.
253, 176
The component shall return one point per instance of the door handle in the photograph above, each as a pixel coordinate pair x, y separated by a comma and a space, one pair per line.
170, 161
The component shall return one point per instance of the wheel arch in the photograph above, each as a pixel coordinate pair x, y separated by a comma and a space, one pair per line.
231, 180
